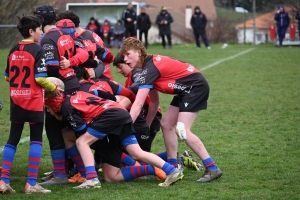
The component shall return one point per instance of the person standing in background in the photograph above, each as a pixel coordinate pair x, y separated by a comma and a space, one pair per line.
164, 20
94, 26
129, 18
283, 20
143, 25
198, 23
298, 18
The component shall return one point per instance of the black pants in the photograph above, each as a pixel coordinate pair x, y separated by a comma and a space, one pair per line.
130, 32
164, 41
53, 131
145, 35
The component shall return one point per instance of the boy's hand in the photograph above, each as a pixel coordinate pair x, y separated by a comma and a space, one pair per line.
96, 58
57, 91
64, 63
91, 72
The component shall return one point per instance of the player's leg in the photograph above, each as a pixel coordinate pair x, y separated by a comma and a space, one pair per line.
168, 123
131, 146
8, 156
73, 153
34, 158
83, 144
57, 150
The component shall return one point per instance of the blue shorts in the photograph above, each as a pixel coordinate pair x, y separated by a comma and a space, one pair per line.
131, 139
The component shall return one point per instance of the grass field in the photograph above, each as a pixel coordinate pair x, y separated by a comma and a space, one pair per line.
251, 128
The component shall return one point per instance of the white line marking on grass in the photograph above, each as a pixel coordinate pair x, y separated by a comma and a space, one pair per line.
25, 139
225, 59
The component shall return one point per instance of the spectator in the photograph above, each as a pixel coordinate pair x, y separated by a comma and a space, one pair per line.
283, 21
163, 20
298, 18
129, 17
106, 32
118, 31
143, 25
198, 23
94, 26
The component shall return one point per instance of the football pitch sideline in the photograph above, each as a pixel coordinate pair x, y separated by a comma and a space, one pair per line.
251, 129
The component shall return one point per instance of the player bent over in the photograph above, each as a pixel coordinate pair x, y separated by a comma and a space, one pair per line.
191, 90
96, 119
26, 74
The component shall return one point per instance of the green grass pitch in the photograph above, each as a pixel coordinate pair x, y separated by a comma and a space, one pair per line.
251, 128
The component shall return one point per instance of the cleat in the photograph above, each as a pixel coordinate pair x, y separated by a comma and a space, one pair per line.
190, 162
77, 178
5, 188
159, 173
172, 178
55, 181
37, 189
48, 173
47, 177
210, 175
93, 183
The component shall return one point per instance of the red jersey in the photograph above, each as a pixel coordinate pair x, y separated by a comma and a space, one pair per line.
82, 108
107, 86
171, 76
109, 58
56, 45
25, 62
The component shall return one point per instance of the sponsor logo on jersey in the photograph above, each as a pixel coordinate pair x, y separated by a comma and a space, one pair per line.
16, 57
41, 69
48, 47
64, 42
49, 55
190, 68
20, 93
176, 86
97, 38
186, 104
158, 58
43, 61
144, 137
78, 97
79, 44
106, 105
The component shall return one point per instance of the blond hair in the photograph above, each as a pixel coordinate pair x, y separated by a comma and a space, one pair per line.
132, 43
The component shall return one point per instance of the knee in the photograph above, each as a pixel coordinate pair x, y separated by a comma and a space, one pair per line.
165, 124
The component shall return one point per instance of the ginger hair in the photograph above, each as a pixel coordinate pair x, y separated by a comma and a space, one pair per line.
132, 43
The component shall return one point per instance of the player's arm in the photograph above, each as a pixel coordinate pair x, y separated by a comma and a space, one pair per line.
153, 106
120, 90
6, 72
138, 103
74, 118
40, 74
123, 101
104, 95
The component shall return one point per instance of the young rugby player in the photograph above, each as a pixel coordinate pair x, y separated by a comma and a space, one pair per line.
26, 72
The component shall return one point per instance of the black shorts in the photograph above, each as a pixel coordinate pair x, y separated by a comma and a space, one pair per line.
109, 150
112, 121
191, 104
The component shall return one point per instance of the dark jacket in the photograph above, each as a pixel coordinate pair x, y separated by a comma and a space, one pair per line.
143, 22
283, 19
164, 29
298, 18
198, 22
119, 29
129, 13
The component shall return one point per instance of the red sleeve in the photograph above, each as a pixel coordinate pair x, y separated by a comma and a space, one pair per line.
80, 57
109, 56
127, 93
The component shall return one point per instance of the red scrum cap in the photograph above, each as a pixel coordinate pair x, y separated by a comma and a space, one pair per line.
65, 23
54, 103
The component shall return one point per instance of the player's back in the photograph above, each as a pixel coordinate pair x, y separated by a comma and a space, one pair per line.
25, 63
58, 44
